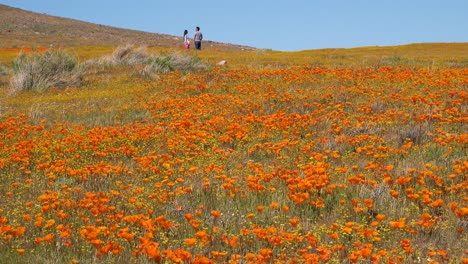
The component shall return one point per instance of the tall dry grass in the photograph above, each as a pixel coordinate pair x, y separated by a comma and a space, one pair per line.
149, 65
174, 61
39, 71
126, 55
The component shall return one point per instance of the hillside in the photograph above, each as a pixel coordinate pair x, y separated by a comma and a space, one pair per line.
20, 28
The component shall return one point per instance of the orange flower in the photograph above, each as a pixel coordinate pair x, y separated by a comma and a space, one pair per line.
394, 193
250, 256
334, 236
27, 217
233, 242
195, 224
260, 208
405, 244
38, 223
215, 214
380, 217
188, 216
266, 252
49, 223
347, 230
190, 241
437, 203
294, 222
48, 237
401, 223
368, 203
202, 234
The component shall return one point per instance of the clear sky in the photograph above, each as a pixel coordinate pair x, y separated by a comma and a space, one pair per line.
280, 25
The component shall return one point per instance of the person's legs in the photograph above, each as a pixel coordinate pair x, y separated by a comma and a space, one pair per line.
198, 45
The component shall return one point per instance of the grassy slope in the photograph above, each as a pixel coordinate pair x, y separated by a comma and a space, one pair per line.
20, 28
427, 54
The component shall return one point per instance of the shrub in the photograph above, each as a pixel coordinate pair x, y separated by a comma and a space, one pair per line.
148, 65
127, 55
3, 70
172, 62
39, 71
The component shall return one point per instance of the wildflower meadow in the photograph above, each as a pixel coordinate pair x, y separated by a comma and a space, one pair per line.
272, 158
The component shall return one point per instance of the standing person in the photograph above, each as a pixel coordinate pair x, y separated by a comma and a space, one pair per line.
198, 38
186, 40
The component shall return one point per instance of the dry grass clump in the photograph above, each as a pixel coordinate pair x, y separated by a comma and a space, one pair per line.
126, 55
172, 62
39, 71
149, 65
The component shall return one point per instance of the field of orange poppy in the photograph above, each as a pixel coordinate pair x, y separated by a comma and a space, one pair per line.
307, 157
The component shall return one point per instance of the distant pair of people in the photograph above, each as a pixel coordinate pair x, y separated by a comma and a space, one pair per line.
197, 38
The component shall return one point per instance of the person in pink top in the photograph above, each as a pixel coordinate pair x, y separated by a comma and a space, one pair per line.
186, 40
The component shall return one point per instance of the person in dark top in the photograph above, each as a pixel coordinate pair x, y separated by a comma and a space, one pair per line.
198, 38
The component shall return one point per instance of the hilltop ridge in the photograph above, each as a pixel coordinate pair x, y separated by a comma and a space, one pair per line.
21, 28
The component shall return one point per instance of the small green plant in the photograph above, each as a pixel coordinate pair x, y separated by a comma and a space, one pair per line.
159, 65
3, 70
39, 71
172, 62
391, 61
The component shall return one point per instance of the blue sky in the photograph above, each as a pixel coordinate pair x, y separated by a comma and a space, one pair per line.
280, 25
